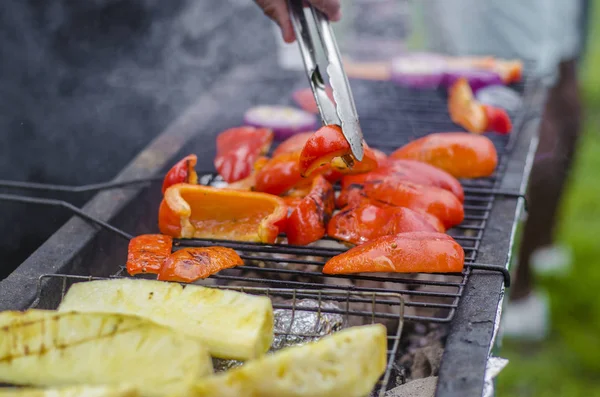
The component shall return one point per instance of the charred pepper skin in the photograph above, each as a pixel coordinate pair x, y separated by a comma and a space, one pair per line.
307, 223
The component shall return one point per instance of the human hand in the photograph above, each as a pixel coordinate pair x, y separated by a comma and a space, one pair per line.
277, 10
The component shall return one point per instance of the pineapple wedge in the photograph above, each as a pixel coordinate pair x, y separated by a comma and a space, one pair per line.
73, 391
347, 363
47, 348
231, 325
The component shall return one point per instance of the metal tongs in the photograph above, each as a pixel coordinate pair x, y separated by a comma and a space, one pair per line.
343, 111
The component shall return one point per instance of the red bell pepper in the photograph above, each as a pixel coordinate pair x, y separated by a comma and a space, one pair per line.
367, 222
147, 253
196, 211
182, 172
435, 201
469, 113
295, 143
380, 156
460, 154
308, 221
190, 264
280, 174
498, 119
423, 252
328, 145
238, 149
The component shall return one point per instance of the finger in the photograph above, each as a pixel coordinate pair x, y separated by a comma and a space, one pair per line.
277, 10
331, 8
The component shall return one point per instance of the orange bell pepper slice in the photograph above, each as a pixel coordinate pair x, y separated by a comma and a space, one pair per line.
460, 154
197, 211
368, 222
415, 252
429, 199
308, 221
464, 109
238, 149
328, 145
295, 143
147, 253
190, 264
469, 113
182, 172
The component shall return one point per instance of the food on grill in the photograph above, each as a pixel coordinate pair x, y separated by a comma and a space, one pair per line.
47, 348
367, 222
279, 174
196, 211
147, 253
476, 79
229, 324
461, 154
377, 70
293, 144
411, 171
510, 71
469, 113
306, 99
182, 172
435, 201
284, 121
308, 221
190, 264
347, 363
418, 70
72, 391
328, 145
416, 252
380, 156
238, 149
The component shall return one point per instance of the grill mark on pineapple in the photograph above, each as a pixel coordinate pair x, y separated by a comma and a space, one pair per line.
43, 349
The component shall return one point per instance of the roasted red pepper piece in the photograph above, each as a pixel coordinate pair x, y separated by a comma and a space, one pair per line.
460, 154
380, 156
435, 201
190, 264
415, 252
182, 172
295, 143
238, 149
280, 174
196, 211
329, 144
367, 222
147, 253
498, 119
411, 171
308, 221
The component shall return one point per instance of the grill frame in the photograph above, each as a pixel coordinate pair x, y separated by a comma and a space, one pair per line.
74, 248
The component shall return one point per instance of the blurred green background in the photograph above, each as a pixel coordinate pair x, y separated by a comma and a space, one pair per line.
568, 362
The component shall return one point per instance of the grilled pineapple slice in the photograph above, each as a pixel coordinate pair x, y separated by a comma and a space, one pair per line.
47, 348
73, 391
347, 363
231, 325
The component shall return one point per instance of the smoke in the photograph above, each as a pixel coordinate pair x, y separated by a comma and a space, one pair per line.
87, 84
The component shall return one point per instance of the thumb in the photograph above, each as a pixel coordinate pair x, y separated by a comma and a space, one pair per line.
277, 10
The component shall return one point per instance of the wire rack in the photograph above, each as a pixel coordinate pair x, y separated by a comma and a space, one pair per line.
301, 315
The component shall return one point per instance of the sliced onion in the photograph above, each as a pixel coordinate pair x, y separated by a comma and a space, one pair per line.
283, 120
477, 78
419, 70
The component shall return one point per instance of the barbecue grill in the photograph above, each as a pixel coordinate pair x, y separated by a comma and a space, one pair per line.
93, 244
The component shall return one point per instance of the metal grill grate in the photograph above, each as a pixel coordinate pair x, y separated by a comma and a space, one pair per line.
337, 307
